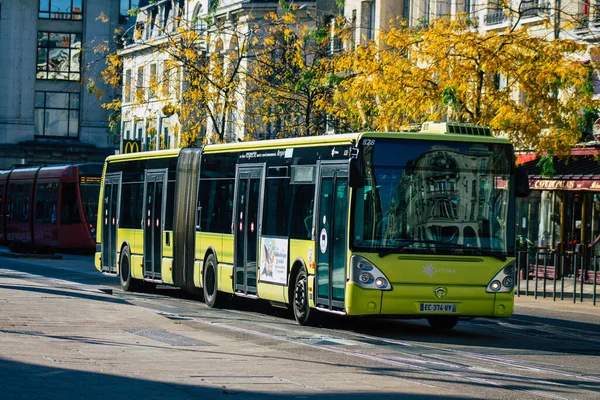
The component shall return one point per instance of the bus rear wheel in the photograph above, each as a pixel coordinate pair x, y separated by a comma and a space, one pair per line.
210, 284
300, 305
442, 323
128, 283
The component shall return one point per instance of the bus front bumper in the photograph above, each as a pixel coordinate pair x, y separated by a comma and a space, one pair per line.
420, 301
461, 301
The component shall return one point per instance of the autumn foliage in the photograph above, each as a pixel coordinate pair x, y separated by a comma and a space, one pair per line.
280, 79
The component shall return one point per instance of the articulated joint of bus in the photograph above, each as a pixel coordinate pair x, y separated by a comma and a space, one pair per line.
504, 281
368, 276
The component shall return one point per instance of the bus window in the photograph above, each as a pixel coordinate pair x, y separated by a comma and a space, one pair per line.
275, 221
301, 211
216, 205
170, 205
131, 205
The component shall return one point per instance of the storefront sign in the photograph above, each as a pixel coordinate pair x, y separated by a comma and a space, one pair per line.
131, 146
556, 184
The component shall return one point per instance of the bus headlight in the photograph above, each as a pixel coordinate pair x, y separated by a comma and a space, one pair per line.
381, 283
503, 282
367, 275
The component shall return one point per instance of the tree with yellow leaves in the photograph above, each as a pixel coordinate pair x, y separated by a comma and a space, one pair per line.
529, 88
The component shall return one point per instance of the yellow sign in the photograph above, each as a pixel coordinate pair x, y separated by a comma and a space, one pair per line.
131, 146
89, 179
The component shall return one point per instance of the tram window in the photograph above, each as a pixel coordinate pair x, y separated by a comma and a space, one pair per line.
45, 204
301, 211
18, 202
276, 207
68, 210
216, 205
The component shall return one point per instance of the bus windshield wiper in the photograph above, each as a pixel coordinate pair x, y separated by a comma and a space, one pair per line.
407, 242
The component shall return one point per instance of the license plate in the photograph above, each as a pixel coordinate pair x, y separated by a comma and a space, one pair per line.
438, 307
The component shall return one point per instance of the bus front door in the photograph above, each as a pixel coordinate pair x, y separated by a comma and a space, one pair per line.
332, 221
154, 211
247, 217
110, 222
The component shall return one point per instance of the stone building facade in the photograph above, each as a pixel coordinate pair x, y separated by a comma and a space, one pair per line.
47, 56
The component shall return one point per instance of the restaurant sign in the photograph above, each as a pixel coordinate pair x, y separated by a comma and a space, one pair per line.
556, 184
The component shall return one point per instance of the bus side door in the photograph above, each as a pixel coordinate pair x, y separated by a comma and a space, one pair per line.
110, 221
247, 215
155, 192
332, 225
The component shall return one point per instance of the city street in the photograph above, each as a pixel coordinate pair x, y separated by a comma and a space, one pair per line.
68, 332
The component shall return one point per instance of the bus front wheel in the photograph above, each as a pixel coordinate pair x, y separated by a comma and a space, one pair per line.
128, 283
210, 284
442, 323
300, 305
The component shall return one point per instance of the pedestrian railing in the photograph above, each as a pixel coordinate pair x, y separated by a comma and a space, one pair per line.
562, 274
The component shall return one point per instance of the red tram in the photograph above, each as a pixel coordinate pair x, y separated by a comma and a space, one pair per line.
51, 207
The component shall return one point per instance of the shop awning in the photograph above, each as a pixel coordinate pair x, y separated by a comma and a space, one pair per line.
578, 172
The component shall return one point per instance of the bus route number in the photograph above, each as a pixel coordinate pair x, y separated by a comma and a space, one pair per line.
368, 142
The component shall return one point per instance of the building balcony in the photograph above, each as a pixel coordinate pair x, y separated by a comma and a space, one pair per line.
534, 9
587, 26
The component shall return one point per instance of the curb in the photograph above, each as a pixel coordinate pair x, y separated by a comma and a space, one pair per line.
32, 255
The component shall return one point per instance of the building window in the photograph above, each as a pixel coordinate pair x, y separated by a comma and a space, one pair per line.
127, 87
127, 133
371, 28
61, 9
139, 87
153, 83
58, 56
166, 83
57, 114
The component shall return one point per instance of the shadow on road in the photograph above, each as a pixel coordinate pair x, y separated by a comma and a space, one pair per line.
28, 381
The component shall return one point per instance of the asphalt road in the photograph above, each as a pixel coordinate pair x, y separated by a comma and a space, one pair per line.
542, 352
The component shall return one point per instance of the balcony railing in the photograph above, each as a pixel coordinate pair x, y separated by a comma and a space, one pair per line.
534, 9
495, 18
582, 20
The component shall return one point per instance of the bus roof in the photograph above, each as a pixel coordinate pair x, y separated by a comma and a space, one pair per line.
144, 155
309, 141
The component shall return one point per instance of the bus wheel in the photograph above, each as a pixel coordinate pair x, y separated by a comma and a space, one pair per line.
302, 311
442, 323
128, 283
212, 297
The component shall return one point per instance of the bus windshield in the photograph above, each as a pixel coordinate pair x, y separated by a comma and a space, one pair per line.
436, 197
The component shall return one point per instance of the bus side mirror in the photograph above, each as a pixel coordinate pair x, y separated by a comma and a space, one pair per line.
521, 182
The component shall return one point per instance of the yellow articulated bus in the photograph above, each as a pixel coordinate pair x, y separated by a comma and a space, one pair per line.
417, 225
